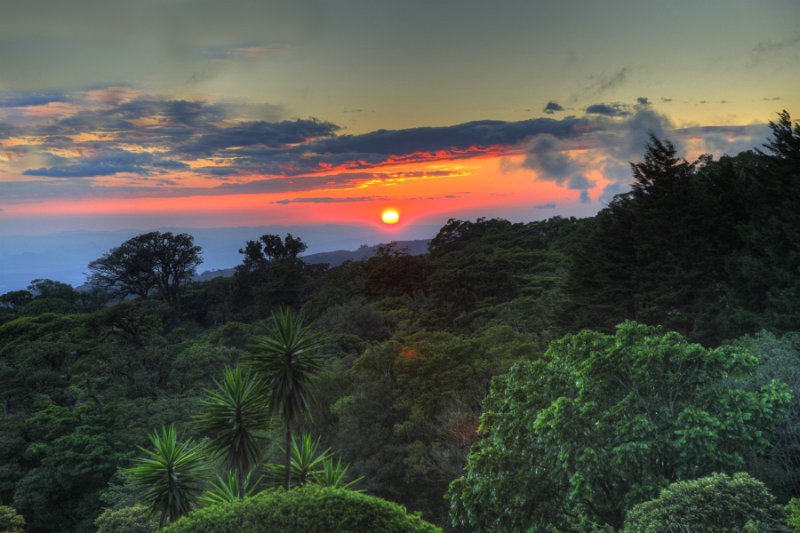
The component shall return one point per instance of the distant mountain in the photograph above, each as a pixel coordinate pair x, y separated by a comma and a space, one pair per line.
335, 258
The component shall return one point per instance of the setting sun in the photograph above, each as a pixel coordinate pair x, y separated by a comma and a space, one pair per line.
390, 216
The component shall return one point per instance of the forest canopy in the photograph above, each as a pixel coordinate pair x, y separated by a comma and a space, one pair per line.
559, 374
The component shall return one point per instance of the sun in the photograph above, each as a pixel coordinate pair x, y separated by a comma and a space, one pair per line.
390, 216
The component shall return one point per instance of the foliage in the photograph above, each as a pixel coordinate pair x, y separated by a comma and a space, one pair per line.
718, 503
306, 461
235, 416
173, 472
603, 422
305, 508
287, 359
271, 274
334, 474
146, 262
10, 521
230, 488
779, 359
134, 519
707, 248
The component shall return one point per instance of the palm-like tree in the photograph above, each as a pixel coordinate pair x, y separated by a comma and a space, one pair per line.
174, 472
235, 415
288, 359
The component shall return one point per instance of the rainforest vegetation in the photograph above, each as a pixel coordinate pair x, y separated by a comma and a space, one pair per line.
634, 371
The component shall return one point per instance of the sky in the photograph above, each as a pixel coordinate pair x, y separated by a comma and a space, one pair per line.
121, 115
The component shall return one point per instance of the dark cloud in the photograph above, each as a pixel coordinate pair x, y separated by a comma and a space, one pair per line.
329, 200
544, 155
106, 164
772, 99
259, 133
484, 133
552, 107
643, 101
666, 100
611, 110
584, 197
18, 99
580, 182
6, 130
549, 205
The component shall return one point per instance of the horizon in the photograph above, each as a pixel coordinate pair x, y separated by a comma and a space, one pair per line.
304, 115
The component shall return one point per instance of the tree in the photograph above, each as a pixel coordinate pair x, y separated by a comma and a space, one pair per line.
10, 521
268, 249
271, 275
235, 414
308, 508
134, 519
174, 472
603, 422
288, 359
149, 261
718, 503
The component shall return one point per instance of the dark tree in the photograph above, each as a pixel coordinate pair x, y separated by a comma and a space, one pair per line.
271, 275
147, 262
268, 249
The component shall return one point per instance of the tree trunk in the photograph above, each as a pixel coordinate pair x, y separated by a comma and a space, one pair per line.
287, 457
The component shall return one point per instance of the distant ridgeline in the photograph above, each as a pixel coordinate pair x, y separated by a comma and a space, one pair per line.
637, 370
335, 258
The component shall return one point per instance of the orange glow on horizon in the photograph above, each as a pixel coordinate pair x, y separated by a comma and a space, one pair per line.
428, 191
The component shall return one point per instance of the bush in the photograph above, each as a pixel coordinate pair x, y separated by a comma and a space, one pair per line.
717, 503
134, 519
304, 509
10, 521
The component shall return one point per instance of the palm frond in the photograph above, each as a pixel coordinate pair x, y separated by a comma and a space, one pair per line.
174, 472
235, 415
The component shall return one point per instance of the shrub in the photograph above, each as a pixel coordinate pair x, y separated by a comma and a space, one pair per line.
304, 509
717, 503
134, 519
10, 521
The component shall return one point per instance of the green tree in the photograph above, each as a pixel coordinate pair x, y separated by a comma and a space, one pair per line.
174, 472
718, 503
10, 521
602, 422
235, 415
288, 358
134, 519
308, 508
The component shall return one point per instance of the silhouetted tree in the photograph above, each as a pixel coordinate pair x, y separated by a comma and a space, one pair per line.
154, 260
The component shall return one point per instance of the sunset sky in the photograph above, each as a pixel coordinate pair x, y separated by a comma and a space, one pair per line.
200, 113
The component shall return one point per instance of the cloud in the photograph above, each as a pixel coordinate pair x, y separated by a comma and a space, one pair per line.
580, 182
329, 200
552, 107
611, 110
548, 205
108, 132
21, 99
666, 100
772, 99
106, 164
607, 81
771, 47
544, 155
642, 101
